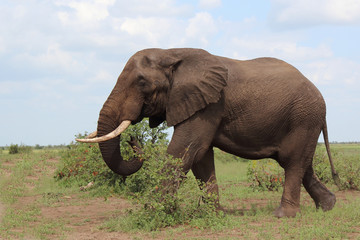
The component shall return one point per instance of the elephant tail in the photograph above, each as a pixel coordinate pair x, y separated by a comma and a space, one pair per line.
334, 174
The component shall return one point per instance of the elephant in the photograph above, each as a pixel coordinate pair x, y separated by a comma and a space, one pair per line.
254, 109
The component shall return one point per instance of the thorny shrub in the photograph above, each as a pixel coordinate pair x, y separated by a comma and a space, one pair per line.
82, 163
265, 175
164, 196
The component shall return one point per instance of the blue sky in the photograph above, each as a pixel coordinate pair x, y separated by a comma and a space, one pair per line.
60, 59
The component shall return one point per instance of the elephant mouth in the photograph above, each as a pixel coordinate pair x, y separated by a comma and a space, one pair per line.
149, 110
138, 119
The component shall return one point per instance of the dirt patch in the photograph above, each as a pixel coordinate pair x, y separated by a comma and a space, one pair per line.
9, 164
347, 195
30, 182
2, 211
6, 168
51, 168
99, 235
6, 172
83, 217
25, 201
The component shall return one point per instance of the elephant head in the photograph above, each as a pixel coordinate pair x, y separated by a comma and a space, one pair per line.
169, 85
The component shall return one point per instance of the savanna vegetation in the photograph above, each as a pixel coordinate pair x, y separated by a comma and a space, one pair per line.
69, 193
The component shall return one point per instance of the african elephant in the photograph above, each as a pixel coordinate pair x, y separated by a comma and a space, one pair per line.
260, 108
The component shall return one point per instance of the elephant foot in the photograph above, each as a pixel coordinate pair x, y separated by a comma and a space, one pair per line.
287, 208
286, 211
327, 203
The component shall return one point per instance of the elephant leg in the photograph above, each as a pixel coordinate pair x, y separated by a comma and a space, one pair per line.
192, 142
193, 138
204, 170
295, 157
319, 193
290, 200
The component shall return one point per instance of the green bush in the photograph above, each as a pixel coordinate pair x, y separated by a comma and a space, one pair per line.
14, 149
164, 196
268, 175
349, 173
37, 146
321, 164
265, 175
347, 167
82, 163
25, 149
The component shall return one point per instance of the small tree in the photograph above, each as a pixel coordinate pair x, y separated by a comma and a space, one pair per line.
13, 149
83, 163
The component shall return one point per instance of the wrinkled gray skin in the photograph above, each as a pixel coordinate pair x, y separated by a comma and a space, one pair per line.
261, 108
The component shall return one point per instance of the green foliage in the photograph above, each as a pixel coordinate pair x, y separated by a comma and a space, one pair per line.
25, 149
347, 167
82, 163
165, 196
321, 164
14, 149
265, 175
37, 146
268, 175
144, 134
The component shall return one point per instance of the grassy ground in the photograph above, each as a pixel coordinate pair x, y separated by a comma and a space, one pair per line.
34, 206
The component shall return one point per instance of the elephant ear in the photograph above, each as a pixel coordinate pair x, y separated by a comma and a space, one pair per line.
197, 81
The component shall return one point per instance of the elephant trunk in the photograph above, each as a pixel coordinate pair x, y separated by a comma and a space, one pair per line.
110, 149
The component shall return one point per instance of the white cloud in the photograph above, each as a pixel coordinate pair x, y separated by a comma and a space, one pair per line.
19, 12
54, 59
64, 17
250, 47
85, 11
152, 29
309, 12
2, 45
150, 8
9, 87
334, 71
201, 27
209, 3
103, 76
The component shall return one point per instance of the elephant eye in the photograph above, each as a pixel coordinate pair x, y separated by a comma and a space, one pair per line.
144, 85
142, 82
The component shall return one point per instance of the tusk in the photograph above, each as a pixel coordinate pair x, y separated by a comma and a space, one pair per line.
91, 135
121, 128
